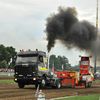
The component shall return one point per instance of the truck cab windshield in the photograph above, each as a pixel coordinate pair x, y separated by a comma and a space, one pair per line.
26, 58
84, 62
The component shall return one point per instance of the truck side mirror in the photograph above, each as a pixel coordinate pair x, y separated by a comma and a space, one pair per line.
40, 59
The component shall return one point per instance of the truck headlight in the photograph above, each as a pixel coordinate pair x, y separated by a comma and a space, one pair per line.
15, 79
34, 72
34, 78
16, 72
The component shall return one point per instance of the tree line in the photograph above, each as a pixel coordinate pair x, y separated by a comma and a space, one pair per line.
59, 62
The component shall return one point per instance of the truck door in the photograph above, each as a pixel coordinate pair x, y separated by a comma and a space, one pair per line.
41, 66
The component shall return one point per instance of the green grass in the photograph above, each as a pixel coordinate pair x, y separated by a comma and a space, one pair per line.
6, 75
88, 97
96, 81
7, 81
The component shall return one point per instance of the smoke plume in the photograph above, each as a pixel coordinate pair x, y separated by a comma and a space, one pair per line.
65, 27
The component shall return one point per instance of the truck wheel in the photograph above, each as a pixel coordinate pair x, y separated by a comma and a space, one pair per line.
53, 87
58, 84
89, 84
36, 85
86, 84
43, 82
21, 85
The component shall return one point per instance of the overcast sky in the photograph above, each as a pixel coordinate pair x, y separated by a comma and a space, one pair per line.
22, 23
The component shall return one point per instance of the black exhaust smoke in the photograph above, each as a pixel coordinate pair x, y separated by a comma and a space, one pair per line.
66, 27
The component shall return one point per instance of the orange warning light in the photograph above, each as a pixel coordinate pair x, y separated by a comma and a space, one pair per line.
22, 50
36, 49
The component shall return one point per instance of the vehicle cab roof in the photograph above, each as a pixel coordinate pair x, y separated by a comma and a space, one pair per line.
31, 53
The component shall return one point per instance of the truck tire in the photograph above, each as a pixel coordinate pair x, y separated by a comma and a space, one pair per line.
21, 85
53, 87
58, 84
36, 85
86, 84
89, 84
43, 82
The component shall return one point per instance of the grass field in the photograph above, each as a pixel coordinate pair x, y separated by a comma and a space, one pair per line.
97, 80
88, 97
7, 81
7, 75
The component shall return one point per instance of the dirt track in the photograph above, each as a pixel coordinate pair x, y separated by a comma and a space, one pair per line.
6, 77
12, 92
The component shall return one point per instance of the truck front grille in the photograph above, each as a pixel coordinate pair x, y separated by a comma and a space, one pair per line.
23, 70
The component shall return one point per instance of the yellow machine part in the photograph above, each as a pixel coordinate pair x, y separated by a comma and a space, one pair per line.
75, 75
76, 79
72, 74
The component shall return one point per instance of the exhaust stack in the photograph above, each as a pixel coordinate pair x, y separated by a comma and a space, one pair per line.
48, 62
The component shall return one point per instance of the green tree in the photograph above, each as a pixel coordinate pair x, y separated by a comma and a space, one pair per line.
51, 60
11, 54
3, 53
6, 53
3, 64
64, 61
57, 62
